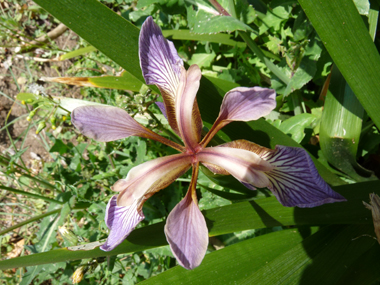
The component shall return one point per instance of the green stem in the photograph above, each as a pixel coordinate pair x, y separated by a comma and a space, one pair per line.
31, 195
297, 102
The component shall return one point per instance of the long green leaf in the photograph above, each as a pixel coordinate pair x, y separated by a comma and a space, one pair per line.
347, 40
321, 259
231, 264
267, 212
280, 257
341, 127
216, 38
102, 28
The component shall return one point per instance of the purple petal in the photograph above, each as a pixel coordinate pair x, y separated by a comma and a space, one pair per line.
162, 109
243, 104
247, 104
186, 232
106, 123
121, 221
295, 180
159, 60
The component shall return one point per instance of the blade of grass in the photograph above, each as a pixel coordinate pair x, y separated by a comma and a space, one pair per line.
35, 196
78, 206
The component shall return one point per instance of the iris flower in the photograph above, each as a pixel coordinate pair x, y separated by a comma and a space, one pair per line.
287, 171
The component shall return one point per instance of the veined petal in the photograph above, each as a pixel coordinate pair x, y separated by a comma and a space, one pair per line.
246, 166
295, 180
243, 104
160, 65
187, 113
186, 230
107, 123
147, 178
121, 221
159, 59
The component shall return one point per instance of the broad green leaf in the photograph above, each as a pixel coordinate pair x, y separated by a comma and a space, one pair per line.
256, 214
206, 20
307, 67
29, 97
348, 42
274, 17
231, 265
202, 59
295, 126
365, 269
321, 258
187, 35
341, 127
77, 52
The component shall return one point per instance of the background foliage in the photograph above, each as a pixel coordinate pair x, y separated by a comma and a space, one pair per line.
321, 58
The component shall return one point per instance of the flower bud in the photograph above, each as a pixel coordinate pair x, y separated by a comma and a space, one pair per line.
52, 121
78, 274
40, 127
31, 115
68, 236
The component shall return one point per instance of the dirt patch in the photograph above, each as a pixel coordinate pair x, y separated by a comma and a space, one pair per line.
16, 79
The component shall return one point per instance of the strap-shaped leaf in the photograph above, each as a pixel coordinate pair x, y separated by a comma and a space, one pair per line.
347, 40
266, 212
102, 28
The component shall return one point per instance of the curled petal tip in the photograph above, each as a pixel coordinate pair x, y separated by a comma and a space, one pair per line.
187, 234
296, 182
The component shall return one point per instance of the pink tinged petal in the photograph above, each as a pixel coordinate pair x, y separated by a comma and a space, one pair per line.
243, 104
295, 180
186, 230
107, 123
187, 113
244, 165
145, 179
121, 221
159, 59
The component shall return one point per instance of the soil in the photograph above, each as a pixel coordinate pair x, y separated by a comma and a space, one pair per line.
11, 110
14, 109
